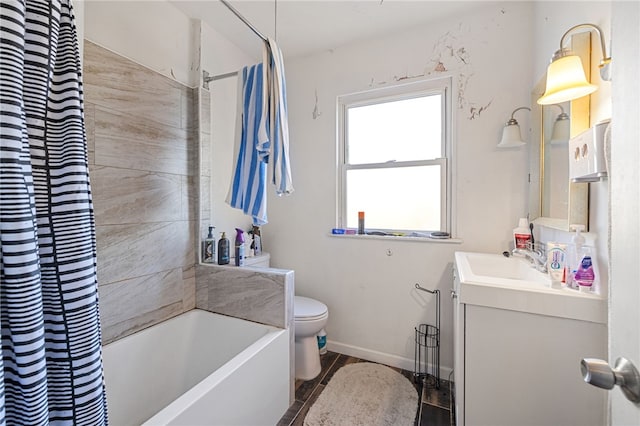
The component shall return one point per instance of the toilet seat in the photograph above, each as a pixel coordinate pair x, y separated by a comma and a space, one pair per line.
307, 309
310, 319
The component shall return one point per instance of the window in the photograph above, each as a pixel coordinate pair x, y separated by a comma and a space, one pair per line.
394, 146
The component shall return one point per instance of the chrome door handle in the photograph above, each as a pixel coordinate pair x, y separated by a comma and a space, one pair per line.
598, 373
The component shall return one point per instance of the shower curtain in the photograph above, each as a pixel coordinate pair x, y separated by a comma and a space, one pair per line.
51, 368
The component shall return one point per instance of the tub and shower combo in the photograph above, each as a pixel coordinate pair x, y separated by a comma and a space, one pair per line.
199, 368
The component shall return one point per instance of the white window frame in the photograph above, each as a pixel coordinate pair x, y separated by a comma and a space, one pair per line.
442, 86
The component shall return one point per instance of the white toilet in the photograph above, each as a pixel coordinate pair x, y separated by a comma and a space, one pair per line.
310, 317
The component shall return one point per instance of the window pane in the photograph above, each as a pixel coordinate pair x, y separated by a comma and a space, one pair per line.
404, 130
395, 198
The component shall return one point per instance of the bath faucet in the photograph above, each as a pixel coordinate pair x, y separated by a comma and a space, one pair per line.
536, 255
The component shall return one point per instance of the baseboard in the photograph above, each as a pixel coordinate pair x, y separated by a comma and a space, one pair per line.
380, 357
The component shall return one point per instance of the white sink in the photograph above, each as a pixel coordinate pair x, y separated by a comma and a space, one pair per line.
512, 283
496, 268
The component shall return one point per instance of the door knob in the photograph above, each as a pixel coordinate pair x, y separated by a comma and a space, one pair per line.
598, 373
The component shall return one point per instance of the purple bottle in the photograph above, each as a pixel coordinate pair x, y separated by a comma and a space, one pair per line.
239, 247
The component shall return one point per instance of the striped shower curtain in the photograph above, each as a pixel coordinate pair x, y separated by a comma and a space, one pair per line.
51, 368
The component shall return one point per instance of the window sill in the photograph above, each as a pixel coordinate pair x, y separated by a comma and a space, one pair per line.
398, 238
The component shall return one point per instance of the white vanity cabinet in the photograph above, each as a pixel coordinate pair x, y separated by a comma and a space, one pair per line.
521, 366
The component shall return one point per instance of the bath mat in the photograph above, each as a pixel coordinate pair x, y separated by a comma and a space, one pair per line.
365, 394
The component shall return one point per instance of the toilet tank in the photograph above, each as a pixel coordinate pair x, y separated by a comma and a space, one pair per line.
262, 261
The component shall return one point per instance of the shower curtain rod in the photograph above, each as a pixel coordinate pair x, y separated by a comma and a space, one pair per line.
243, 19
205, 75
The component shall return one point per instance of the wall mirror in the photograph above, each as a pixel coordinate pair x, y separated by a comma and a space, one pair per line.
554, 200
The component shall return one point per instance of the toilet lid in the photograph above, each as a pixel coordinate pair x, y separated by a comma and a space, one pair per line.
305, 307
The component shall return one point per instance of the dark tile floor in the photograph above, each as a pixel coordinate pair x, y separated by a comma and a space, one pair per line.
434, 409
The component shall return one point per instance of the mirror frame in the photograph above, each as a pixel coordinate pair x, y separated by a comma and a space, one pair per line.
577, 193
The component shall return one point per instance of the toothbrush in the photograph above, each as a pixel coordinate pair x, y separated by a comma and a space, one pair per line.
531, 229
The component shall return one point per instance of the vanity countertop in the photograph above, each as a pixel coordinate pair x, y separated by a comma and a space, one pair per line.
496, 281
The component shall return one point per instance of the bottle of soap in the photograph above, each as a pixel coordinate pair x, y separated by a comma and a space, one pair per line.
223, 250
522, 234
585, 275
574, 255
209, 247
239, 252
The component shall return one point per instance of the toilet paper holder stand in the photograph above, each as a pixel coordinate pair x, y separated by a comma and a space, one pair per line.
427, 347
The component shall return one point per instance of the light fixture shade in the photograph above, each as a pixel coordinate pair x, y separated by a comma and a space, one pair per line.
511, 136
566, 81
560, 133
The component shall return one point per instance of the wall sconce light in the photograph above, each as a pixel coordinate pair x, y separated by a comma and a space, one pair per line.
511, 136
565, 75
561, 128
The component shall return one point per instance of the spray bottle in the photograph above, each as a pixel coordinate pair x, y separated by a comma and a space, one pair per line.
257, 241
239, 247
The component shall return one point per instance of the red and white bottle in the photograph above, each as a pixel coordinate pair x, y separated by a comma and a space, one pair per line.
522, 234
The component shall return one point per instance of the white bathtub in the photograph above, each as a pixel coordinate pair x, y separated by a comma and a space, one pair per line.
199, 368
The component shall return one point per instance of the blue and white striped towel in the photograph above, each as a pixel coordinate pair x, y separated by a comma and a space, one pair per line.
263, 131
278, 120
248, 184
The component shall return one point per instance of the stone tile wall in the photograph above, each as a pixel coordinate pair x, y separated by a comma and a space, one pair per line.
149, 141
142, 140
255, 294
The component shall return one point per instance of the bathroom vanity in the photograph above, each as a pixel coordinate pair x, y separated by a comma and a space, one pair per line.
518, 345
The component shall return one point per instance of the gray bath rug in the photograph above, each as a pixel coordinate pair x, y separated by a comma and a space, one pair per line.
365, 394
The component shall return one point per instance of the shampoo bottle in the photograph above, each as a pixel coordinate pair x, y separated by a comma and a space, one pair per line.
522, 234
239, 252
223, 250
209, 247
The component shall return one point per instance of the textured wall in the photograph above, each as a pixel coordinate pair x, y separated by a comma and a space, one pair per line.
142, 149
254, 294
368, 284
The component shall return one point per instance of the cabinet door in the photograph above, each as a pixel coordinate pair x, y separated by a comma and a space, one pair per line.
523, 369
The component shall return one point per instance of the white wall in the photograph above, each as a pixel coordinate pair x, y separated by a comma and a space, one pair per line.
152, 33
78, 11
373, 306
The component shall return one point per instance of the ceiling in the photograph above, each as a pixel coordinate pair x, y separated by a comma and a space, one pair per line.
310, 26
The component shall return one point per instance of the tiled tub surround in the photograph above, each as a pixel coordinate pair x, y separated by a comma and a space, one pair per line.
203, 177
149, 144
142, 139
263, 295
255, 294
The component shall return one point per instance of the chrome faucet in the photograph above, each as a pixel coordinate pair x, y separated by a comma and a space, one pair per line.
536, 255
